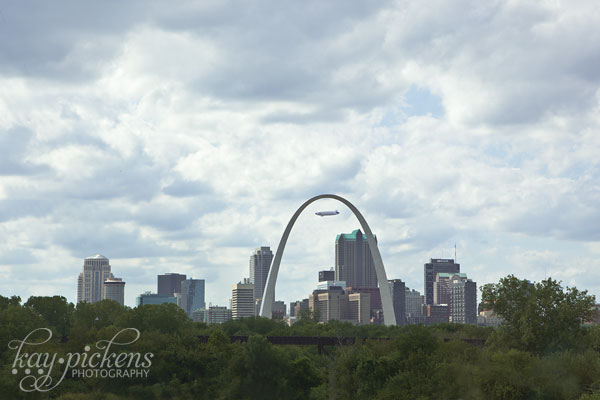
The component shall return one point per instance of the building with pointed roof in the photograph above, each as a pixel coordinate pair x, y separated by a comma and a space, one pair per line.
91, 281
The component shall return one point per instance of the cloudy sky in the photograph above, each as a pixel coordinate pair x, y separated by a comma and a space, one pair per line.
178, 138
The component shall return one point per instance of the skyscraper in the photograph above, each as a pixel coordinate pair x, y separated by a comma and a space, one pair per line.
260, 262
463, 300
192, 295
432, 268
114, 289
242, 299
414, 307
441, 286
169, 284
398, 289
90, 284
353, 260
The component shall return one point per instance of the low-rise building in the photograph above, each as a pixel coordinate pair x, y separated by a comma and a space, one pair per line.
154, 298
212, 315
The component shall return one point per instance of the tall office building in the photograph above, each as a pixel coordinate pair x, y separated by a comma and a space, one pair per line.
441, 286
169, 284
432, 268
260, 263
414, 307
114, 289
242, 300
398, 289
463, 301
353, 260
90, 284
192, 295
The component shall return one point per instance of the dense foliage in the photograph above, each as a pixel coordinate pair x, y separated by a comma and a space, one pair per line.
538, 317
418, 362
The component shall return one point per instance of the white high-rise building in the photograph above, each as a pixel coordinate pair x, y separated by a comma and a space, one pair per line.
242, 300
260, 263
90, 284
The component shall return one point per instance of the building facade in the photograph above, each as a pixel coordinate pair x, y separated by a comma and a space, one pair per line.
296, 307
441, 286
329, 304
436, 313
90, 283
359, 308
325, 276
463, 301
192, 295
337, 304
114, 289
260, 263
488, 318
353, 260
212, 315
278, 310
414, 307
398, 289
242, 300
169, 284
154, 298
431, 269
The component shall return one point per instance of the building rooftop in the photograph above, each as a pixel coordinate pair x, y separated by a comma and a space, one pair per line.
114, 281
96, 257
352, 236
450, 274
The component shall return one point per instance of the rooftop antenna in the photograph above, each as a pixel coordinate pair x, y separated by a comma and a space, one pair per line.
455, 253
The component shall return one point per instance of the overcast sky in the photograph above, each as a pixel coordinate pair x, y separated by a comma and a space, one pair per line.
178, 138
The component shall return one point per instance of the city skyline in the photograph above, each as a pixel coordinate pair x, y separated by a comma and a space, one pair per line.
179, 139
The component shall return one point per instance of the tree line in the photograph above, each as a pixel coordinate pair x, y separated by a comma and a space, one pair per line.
541, 351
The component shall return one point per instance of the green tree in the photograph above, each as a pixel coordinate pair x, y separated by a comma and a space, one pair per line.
166, 317
9, 301
310, 315
55, 310
538, 317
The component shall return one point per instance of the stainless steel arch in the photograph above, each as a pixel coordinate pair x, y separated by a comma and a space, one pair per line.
384, 289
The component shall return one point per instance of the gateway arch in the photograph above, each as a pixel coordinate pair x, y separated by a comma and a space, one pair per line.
384, 289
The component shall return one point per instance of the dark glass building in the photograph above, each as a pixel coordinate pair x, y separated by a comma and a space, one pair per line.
398, 289
353, 260
435, 266
169, 284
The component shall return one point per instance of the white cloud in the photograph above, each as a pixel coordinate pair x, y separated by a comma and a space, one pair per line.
181, 138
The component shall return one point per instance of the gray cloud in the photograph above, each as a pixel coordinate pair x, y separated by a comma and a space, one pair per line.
182, 137
15, 144
181, 188
45, 40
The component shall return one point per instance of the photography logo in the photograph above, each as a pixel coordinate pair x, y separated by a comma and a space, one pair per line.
45, 371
